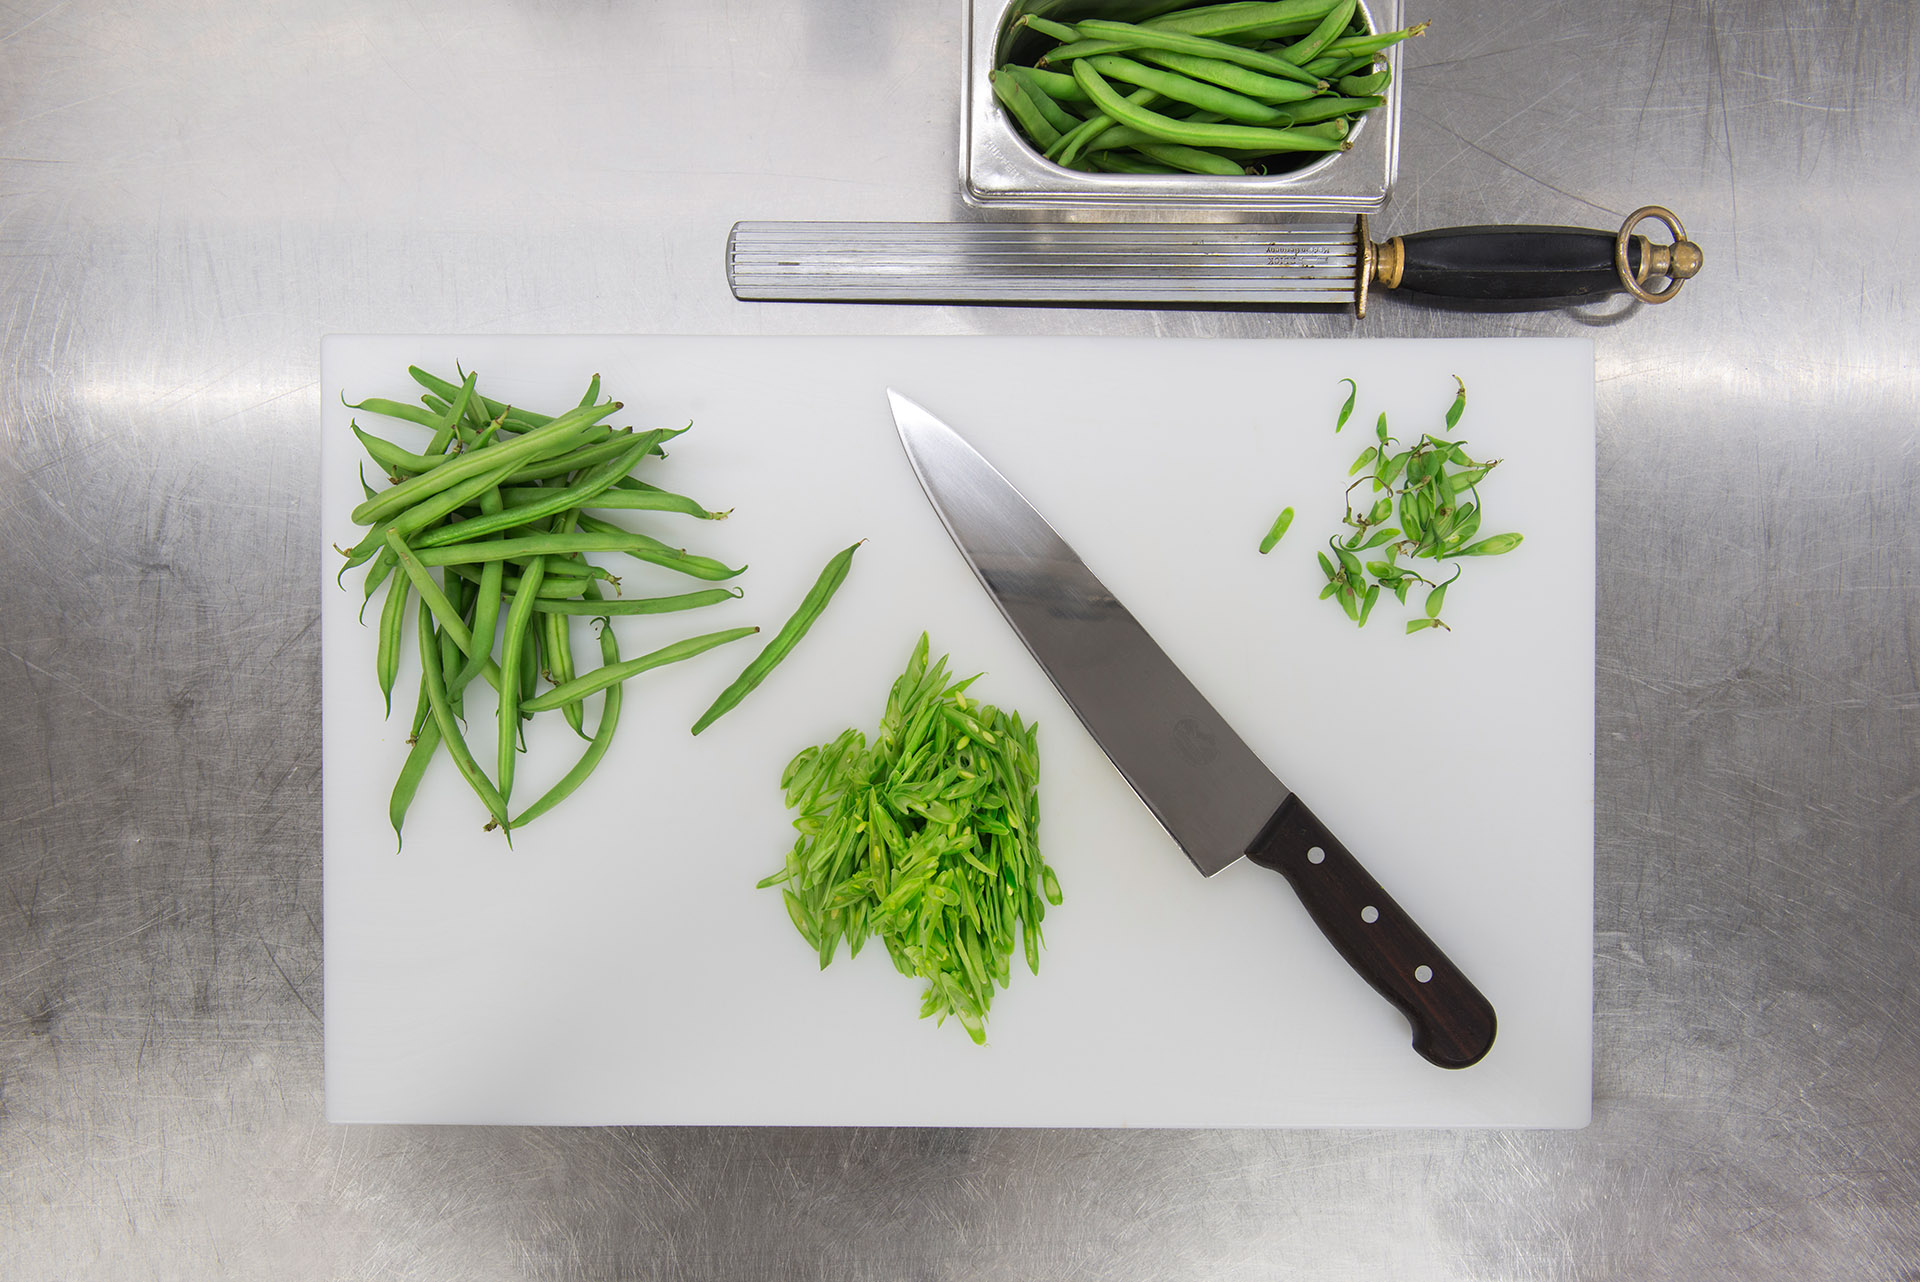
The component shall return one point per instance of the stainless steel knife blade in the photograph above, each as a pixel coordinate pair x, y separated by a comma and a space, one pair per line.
1194, 772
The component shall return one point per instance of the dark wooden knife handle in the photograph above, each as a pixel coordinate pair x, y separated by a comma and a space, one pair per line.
1453, 1025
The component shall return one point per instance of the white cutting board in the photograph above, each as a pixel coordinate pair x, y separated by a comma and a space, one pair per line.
618, 966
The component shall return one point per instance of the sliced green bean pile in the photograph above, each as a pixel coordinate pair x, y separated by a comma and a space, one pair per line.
1227, 90
484, 533
928, 838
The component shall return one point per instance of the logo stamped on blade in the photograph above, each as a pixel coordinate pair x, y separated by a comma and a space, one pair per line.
1194, 741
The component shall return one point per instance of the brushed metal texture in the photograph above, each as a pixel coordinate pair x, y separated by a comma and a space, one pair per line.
192, 194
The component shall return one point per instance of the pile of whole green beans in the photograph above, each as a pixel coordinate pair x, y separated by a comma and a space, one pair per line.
1227, 90
500, 502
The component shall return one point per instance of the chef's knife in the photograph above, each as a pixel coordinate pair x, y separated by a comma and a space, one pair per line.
1198, 778
1324, 262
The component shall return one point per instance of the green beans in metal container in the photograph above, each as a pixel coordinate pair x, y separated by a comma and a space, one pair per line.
1245, 89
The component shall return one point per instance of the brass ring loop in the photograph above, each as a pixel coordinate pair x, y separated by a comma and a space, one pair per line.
1621, 241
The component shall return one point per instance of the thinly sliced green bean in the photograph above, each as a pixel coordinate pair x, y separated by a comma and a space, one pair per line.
602, 733
811, 607
1168, 129
1229, 75
1205, 47
595, 607
606, 675
1195, 93
553, 438
554, 499
476, 778
519, 614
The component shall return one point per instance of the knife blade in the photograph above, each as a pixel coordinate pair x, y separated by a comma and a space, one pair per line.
1324, 262
1196, 775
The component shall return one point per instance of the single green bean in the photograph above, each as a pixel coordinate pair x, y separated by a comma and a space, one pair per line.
443, 432
1055, 85
1351, 46
486, 609
1228, 75
1365, 86
1149, 38
595, 607
519, 613
602, 734
394, 409
811, 607
554, 586
635, 497
1168, 129
1013, 95
1220, 20
1124, 160
554, 499
1193, 160
559, 649
395, 459
1195, 93
586, 456
1311, 45
426, 742
1314, 110
387, 659
542, 442
1044, 102
640, 546
606, 675
450, 730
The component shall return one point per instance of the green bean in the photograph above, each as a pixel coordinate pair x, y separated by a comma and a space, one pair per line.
1309, 47
440, 607
1228, 75
539, 443
443, 433
587, 456
1124, 161
640, 546
611, 674
1315, 110
426, 742
554, 499
448, 501
394, 409
654, 551
1193, 160
1249, 20
1057, 86
554, 586
394, 458
595, 607
486, 608
811, 607
634, 497
392, 619
1020, 105
511, 704
1169, 129
1149, 38
1349, 46
559, 647
1365, 86
1196, 93
1071, 145
602, 733
1043, 102
490, 796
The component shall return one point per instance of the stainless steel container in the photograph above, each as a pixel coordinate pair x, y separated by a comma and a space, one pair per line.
999, 167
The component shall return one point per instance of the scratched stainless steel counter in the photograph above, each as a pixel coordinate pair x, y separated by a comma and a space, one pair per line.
192, 194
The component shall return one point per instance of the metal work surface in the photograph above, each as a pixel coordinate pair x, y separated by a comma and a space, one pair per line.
191, 195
